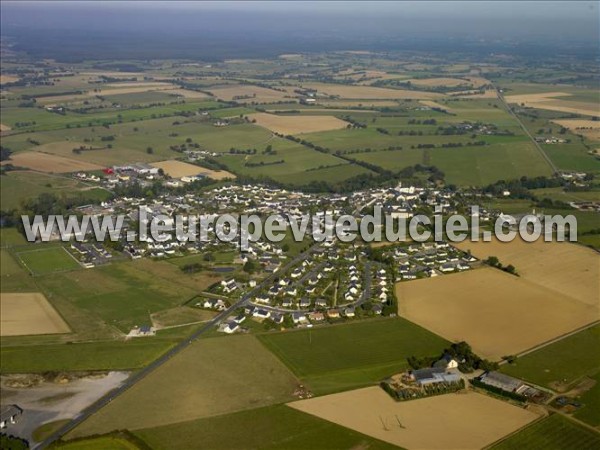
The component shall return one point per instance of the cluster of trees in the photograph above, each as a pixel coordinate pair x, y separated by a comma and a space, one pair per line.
354, 123
519, 188
45, 204
304, 142
12, 443
192, 268
493, 261
556, 204
24, 124
462, 353
136, 190
422, 122
425, 391
410, 133
263, 163
237, 151
5, 153
391, 148
212, 163
83, 148
381, 178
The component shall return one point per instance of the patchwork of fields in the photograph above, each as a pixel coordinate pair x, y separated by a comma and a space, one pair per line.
496, 313
211, 377
271, 427
297, 124
350, 119
556, 293
561, 364
353, 355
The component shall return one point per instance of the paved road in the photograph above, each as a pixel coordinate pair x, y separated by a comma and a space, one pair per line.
136, 377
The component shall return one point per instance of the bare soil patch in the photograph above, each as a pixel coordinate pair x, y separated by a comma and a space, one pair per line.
452, 421
298, 124
250, 94
27, 314
587, 128
179, 169
443, 81
8, 79
549, 101
44, 162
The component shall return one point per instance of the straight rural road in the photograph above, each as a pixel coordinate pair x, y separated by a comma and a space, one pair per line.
138, 376
526, 131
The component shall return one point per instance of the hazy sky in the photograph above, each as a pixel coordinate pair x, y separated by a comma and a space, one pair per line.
322, 24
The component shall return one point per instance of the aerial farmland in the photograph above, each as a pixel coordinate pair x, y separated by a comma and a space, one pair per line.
189, 328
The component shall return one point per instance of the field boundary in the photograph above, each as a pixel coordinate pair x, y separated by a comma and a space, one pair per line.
502, 439
554, 340
526, 131
36, 274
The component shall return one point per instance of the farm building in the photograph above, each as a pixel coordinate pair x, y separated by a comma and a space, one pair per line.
434, 375
9, 415
231, 327
446, 362
501, 381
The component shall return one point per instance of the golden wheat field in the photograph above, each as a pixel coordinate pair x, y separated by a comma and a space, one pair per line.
498, 314
555, 101
250, 94
568, 269
453, 421
179, 169
27, 314
297, 124
45, 162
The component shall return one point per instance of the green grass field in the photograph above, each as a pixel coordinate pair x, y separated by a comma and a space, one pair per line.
15, 278
590, 412
552, 433
116, 355
568, 359
573, 156
110, 442
348, 356
10, 237
46, 121
124, 294
565, 196
18, 186
211, 377
482, 165
273, 427
45, 260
